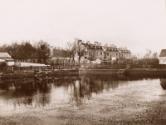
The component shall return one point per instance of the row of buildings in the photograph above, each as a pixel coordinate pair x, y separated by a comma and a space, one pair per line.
85, 51
96, 51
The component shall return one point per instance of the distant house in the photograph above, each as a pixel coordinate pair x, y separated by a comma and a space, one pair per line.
96, 51
162, 57
5, 57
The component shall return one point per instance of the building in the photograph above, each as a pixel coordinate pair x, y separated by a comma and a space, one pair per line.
30, 65
97, 51
92, 51
124, 53
162, 57
5, 57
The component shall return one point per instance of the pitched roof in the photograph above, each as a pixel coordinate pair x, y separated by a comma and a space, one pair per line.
4, 55
163, 53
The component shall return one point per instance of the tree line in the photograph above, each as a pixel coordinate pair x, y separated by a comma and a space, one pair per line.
39, 52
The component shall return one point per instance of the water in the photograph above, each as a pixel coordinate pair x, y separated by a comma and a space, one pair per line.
18, 96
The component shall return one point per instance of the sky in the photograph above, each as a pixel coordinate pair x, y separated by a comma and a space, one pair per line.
136, 24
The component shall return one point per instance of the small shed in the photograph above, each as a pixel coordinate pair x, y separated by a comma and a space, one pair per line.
162, 57
5, 57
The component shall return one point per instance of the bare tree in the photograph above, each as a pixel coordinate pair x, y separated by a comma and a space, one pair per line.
155, 55
71, 48
76, 49
148, 54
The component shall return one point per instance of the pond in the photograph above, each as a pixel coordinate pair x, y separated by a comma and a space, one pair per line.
17, 96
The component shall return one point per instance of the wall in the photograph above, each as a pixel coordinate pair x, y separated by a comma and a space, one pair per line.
162, 60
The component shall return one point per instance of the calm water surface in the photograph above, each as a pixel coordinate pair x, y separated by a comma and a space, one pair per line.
29, 94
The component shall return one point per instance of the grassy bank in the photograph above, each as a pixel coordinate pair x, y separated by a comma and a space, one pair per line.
43, 74
133, 72
147, 72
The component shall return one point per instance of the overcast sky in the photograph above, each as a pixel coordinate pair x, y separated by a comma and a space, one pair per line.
137, 24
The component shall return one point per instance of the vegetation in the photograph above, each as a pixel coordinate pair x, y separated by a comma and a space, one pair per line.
3, 66
26, 51
41, 52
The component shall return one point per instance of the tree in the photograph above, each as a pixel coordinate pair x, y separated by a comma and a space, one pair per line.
80, 50
43, 52
3, 66
148, 54
154, 55
58, 52
25, 51
21, 51
76, 48
71, 48
29, 52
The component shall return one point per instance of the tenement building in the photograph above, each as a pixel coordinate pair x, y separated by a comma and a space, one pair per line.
101, 52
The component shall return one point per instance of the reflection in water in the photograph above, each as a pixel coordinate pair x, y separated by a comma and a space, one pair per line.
26, 91
39, 93
163, 83
86, 86
35, 92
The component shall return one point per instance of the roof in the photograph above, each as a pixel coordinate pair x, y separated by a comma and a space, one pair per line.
124, 50
2, 60
4, 55
114, 49
163, 53
92, 46
27, 64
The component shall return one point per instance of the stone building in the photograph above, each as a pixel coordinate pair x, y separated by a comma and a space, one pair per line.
105, 53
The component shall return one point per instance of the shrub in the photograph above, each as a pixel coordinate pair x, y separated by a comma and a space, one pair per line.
3, 66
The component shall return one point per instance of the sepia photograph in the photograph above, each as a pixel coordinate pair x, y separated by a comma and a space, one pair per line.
82, 62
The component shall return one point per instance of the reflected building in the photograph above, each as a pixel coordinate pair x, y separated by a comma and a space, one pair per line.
83, 89
39, 93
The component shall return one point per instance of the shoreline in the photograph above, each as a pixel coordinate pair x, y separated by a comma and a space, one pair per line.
134, 72
130, 73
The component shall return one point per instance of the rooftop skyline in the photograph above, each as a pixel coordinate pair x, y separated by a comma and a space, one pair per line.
135, 24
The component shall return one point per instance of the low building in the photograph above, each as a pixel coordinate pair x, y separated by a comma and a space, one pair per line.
27, 66
5, 57
162, 57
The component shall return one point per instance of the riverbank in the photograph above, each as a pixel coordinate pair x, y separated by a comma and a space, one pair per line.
43, 74
131, 73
